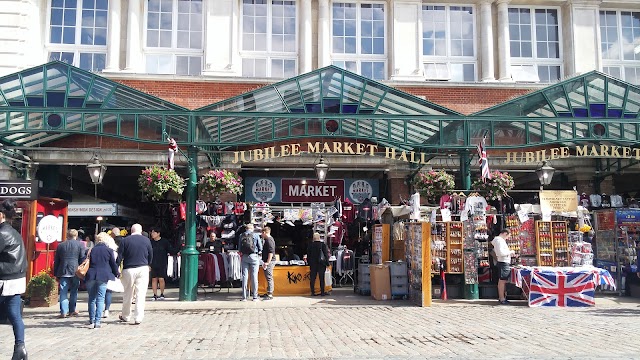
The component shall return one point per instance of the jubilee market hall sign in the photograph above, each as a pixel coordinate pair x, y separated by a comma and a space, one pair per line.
349, 148
586, 151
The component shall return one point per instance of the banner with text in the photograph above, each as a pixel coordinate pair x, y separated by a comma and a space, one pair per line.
274, 189
558, 201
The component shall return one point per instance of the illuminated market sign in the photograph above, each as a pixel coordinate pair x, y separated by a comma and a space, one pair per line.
348, 148
586, 151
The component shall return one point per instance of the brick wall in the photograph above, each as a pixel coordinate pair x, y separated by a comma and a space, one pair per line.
397, 188
194, 95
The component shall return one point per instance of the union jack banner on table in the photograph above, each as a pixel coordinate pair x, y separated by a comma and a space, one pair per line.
562, 289
483, 161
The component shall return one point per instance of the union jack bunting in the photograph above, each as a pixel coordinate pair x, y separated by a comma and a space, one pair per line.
562, 289
484, 163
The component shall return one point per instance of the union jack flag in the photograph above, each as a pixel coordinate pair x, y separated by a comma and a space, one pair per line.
562, 289
483, 161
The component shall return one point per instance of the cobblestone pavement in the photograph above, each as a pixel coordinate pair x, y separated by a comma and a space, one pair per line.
343, 326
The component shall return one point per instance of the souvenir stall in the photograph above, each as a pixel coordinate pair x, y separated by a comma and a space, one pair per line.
617, 236
562, 274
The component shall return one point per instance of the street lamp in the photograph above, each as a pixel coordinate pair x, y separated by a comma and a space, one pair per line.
96, 170
545, 174
321, 170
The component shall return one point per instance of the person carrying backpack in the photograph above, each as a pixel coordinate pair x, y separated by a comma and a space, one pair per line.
250, 247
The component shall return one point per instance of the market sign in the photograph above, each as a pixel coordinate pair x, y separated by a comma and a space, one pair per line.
583, 151
558, 201
109, 209
50, 229
19, 189
343, 148
271, 189
298, 190
629, 217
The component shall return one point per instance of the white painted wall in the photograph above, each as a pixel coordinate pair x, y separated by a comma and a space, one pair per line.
23, 34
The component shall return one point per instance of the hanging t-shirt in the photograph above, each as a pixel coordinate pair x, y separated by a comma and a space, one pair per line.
475, 202
336, 233
240, 208
348, 211
229, 207
606, 201
446, 202
415, 206
616, 201
366, 210
584, 200
596, 200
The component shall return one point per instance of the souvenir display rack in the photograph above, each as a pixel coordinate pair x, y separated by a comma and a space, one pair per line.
438, 244
470, 254
455, 237
527, 237
418, 259
580, 252
380, 243
552, 243
513, 225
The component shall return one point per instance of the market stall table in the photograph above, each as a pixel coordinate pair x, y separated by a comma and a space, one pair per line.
292, 280
560, 286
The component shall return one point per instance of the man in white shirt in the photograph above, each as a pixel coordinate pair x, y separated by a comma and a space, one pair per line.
503, 256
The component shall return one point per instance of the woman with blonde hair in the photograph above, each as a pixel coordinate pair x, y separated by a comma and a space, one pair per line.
111, 244
102, 268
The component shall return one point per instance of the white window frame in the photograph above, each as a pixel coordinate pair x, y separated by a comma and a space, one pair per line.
269, 55
619, 63
358, 57
77, 47
522, 62
173, 51
447, 60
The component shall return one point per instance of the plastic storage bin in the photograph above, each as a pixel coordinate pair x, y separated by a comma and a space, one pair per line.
364, 279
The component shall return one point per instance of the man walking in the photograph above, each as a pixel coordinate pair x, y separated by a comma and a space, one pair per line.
136, 255
503, 256
68, 256
268, 260
250, 246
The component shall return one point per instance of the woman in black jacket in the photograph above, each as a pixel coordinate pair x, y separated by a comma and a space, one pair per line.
318, 259
102, 268
13, 281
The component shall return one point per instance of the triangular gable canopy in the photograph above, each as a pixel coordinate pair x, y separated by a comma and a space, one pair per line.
60, 85
71, 96
329, 90
591, 95
587, 100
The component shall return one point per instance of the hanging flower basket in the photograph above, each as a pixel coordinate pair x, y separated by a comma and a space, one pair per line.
216, 182
434, 184
155, 182
495, 188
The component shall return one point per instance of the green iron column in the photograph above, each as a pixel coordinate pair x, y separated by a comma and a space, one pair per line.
189, 269
471, 291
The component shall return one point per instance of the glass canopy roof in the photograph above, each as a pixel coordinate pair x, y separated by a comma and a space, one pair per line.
330, 90
50, 101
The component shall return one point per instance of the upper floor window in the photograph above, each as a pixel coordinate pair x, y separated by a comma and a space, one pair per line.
358, 38
448, 42
77, 32
174, 37
620, 44
269, 38
535, 44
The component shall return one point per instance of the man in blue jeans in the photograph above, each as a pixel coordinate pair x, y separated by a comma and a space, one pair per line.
68, 256
250, 261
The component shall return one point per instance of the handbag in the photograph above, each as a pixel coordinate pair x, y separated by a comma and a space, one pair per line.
82, 269
322, 260
115, 285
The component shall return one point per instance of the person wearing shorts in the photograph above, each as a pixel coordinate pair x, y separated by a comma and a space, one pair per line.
161, 249
503, 255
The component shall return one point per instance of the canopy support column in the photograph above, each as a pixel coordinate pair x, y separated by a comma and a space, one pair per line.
470, 290
189, 266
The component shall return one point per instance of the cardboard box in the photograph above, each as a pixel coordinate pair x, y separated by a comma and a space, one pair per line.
380, 282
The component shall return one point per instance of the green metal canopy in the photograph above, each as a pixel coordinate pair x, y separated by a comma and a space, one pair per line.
356, 103
589, 106
56, 98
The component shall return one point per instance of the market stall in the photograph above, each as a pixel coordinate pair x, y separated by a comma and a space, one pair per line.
292, 280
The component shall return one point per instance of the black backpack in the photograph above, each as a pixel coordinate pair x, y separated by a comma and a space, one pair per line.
247, 244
